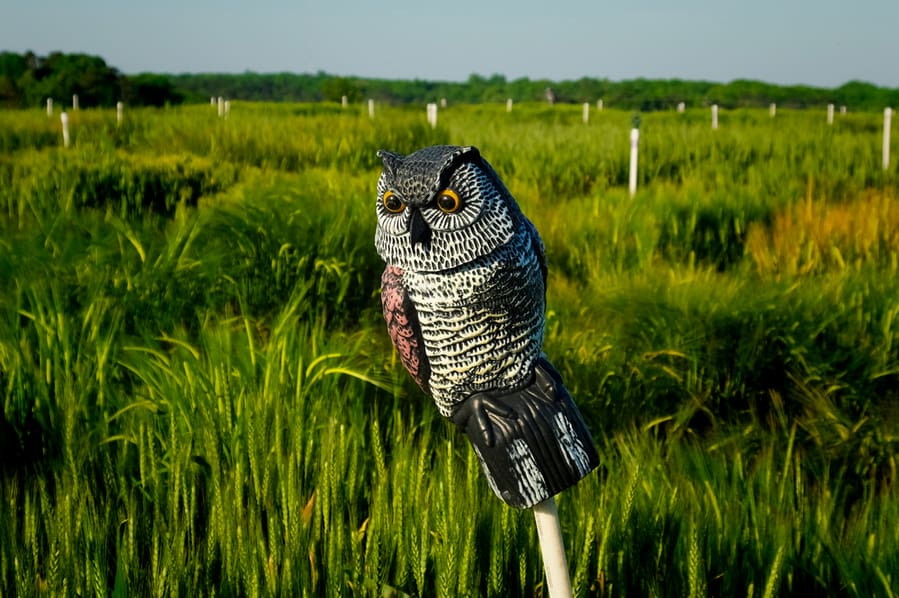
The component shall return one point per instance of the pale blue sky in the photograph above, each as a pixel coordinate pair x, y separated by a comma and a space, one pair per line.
815, 42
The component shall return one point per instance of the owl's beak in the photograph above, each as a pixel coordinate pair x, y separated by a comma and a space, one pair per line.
419, 231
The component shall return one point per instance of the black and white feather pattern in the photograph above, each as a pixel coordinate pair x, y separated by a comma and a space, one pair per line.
464, 299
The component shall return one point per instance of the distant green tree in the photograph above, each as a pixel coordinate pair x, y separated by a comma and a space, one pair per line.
62, 75
147, 89
12, 67
336, 87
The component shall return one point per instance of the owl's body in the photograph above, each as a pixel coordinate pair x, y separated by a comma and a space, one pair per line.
463, 295
481, 323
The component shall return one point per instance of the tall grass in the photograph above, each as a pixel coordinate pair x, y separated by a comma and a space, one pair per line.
199, 397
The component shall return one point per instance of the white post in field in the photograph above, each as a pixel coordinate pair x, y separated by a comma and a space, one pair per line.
681, 107
74, 101
49, 106
830, 114
344, 101
714, 116
221, 103
772, 109
509, 105
227, 108
599, 105
443, 102
371, 108
432, 115
887, 116
119, 109
552, 548
212, 101
632, 175
65, 128
586, 112
842, 110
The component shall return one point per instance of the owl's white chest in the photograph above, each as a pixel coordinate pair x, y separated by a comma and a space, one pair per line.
481, 323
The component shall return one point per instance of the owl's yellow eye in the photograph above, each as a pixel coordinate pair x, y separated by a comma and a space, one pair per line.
448, 201
392, 203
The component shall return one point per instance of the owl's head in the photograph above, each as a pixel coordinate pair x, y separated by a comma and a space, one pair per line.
441, 207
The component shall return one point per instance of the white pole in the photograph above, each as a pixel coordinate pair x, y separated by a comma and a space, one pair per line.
632, 177
221, 103
74, 101
65, 128
681, 107
830, 114
586, 113
772, 109
509, 105
714, 116
371, 108
344, 101
887, 116
49, 106
432, 115
599, 105
119, 108
443, 102
212, 101
227, 108
842, 110
552, 548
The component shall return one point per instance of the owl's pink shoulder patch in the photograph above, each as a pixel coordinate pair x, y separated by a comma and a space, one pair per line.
403, 326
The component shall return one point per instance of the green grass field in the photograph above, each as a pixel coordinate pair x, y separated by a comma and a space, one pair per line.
200, 398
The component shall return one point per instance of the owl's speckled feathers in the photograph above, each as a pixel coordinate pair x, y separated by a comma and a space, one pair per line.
474, 279
464, 295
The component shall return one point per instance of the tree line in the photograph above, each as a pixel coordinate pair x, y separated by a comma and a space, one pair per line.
28, 79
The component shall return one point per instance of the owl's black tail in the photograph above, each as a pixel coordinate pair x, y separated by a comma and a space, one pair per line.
532, 442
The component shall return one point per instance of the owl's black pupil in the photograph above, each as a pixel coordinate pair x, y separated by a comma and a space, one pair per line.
446, 203
393, 204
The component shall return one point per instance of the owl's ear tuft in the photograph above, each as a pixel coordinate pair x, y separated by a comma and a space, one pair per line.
462, 155
468, 153
390, 161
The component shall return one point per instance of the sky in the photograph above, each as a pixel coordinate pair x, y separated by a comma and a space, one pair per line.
823, 43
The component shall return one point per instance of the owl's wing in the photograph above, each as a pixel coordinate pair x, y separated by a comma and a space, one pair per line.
403, 326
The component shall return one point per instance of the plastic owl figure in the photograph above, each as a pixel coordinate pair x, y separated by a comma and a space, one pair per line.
463, 295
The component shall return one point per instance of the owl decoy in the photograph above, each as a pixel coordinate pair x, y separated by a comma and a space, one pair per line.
464, 295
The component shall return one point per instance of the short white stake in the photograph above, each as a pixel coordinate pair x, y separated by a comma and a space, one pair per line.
509, 105
887, 116
74, 101
49, 106
432, 115
599, 105
65, 128
681, 107
772, 109
221, 103
632, 173
371, 108
830, 114
344, 101
119, 110
443, 102
552, 548
212, 101
842, 110
586, 113
715, 116
227, 108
